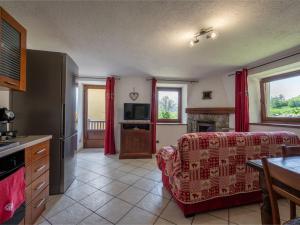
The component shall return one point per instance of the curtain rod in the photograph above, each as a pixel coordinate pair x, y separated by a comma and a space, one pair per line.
276, 60
95, 78
173, 80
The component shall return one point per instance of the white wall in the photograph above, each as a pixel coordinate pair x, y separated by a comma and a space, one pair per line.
169, 134
4, 97
283, 66
122, 89
223, 93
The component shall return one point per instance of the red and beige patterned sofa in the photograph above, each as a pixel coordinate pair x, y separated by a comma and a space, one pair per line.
208, 171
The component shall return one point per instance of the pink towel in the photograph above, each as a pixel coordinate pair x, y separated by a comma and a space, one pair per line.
12, 194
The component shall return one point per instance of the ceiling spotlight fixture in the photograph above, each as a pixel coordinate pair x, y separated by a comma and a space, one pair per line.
208, 33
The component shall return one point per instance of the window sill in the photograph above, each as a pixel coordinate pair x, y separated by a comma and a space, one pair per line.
277, 125
183, 124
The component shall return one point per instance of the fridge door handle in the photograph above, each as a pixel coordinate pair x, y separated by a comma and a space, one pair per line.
63, 110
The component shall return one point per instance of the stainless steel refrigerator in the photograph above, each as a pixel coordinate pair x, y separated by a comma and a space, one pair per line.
48, 107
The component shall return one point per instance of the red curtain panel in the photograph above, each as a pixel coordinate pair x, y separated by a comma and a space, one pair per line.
109, 137
153, 115
241, 101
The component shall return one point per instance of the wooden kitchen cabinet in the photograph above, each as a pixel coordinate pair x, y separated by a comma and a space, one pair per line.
12, 52
37, 180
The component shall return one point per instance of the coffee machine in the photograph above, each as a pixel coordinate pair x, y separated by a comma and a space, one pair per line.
6, 116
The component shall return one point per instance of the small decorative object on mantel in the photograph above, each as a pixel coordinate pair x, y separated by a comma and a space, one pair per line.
134, 95
207, 95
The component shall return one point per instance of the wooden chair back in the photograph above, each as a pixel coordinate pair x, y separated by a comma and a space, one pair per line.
286, 177
290, 150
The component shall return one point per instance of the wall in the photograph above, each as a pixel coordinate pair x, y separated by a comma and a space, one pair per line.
223, 93
125, 85
169, 134
4, 97
122, 89
282, 66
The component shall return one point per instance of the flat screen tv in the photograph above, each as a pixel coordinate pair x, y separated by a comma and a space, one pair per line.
135, 111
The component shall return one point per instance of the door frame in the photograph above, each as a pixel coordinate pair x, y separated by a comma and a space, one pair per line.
85, 109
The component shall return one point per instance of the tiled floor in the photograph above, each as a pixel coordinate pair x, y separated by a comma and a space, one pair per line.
112, 191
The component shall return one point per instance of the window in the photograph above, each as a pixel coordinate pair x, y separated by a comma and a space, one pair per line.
281, 98
169, 105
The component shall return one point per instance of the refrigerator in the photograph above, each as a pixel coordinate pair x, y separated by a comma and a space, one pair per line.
48, 106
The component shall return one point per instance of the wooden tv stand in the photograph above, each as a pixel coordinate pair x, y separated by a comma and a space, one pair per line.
135, 140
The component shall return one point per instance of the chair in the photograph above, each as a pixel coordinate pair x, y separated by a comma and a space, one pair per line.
286, 177
288, 151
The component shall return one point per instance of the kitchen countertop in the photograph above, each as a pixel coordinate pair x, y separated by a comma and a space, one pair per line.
24, 142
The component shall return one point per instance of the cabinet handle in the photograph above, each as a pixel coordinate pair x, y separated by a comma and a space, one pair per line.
40, 186
40, 168
10, 83
40, 151
40, 203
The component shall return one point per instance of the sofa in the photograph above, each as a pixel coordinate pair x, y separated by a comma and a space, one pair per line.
207, 171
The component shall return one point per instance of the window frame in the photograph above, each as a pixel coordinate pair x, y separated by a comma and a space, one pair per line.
264, 116
175, 89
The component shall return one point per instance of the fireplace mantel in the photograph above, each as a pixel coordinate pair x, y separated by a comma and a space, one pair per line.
211, 111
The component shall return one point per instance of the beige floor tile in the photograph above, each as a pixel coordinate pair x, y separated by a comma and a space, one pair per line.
243, 216
153, 176
139, 171
114, 210
96, 200
94, 219
72, 215
100, 182
207, 219
86, 177
160, 190
137, 217
145, 184
129, 179
162, 221
80, 192
56, 204
114, 188
76, 183
127, 168
132, 195
221, 213
173, 214
153, 203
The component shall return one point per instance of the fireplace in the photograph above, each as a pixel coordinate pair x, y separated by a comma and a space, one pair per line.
206, 126
208, 119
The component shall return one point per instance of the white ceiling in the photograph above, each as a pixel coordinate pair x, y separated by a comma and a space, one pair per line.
151, 37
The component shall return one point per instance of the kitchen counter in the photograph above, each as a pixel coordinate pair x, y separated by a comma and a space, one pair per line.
24, 142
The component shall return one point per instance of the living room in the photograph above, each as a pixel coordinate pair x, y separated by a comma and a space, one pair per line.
197, 98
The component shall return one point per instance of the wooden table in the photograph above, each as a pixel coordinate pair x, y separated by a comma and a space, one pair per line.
290, 163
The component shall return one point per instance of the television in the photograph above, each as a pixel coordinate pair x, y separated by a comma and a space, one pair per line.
135, 111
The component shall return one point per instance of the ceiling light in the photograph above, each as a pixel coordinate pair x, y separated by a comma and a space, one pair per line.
209, 33
194, 41
213, 35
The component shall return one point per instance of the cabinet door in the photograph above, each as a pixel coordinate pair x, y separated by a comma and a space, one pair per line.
12, 52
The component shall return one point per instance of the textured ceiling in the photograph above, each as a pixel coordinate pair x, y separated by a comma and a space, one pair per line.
151, 37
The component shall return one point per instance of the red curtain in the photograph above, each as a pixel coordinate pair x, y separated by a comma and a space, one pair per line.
241, 101
153, 115
109, 137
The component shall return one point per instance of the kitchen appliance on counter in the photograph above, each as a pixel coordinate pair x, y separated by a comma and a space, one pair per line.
48, 108
7, 135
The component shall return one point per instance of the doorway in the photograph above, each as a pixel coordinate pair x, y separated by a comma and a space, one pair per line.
94, 116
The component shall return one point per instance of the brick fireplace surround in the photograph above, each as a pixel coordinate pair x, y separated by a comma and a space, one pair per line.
208, 119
